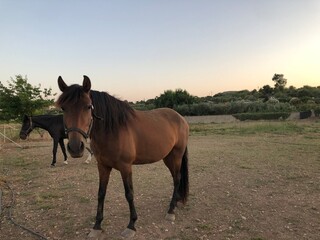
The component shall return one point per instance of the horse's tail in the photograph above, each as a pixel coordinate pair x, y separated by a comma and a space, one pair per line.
184, 181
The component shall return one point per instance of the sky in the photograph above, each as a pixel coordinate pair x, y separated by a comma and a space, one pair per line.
136, 50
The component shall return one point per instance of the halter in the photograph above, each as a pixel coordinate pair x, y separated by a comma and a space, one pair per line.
29, 128
86, 135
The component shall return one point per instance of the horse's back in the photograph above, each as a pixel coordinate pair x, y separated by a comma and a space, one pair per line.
57, 129
163, 121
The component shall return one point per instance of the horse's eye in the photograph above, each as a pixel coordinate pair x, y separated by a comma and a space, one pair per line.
62, 109
90, 106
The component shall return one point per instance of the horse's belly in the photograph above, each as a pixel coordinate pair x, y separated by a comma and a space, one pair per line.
152, 145
151, 153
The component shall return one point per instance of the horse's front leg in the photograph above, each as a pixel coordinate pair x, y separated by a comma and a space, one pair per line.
128, 187
54, 152
104, 174
63, 148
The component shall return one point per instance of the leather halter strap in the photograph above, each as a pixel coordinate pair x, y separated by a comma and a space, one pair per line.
30, 128
86, 135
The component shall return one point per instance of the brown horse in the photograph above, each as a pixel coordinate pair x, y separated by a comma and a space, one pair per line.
121, 136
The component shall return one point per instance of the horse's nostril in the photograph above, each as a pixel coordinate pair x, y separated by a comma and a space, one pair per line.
69, 148
75, 148
81, 146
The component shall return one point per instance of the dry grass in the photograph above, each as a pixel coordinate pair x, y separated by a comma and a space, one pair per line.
249, 180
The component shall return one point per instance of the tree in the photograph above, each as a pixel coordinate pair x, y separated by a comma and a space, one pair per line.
20, 98
173, 98
280, 81
266, 92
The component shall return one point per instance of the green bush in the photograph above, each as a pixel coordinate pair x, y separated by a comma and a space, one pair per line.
261, 116
242, 106
184, 110
143, 106
317, 111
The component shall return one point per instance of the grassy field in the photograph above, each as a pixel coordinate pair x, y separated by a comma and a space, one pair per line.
248, 180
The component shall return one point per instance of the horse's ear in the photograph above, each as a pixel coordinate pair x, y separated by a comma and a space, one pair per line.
62, 85
86, 84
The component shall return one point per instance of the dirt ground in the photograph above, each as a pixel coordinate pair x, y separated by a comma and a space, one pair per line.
242, 186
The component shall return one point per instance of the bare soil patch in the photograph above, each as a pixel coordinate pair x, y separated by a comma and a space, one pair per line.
242, 186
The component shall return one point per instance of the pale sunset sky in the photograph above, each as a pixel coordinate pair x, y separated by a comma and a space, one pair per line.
137, 49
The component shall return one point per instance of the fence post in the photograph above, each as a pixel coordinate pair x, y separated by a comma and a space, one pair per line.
5, 137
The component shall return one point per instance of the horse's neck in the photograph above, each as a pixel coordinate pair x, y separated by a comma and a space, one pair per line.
40, 123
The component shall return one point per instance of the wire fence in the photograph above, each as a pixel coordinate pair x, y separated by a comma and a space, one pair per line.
9, 133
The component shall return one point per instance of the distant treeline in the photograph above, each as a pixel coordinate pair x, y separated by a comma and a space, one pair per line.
265, 100
20, 98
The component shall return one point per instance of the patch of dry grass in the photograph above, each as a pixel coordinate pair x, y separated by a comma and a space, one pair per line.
248, 180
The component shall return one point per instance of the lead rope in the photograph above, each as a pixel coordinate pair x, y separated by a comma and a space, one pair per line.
14, 222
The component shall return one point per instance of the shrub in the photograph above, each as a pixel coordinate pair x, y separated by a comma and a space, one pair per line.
261, 116
317, 111
295, 101
273, 100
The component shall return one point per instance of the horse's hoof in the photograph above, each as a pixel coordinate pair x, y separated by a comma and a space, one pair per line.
95, 234
128, 233
170, 217
65, 162
52, 165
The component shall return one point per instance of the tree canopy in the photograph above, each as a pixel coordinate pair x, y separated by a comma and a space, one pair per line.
20, 98
173, 98
266, 99
280, 81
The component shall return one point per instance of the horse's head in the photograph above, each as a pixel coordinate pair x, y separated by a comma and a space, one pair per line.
26, 127
77, 108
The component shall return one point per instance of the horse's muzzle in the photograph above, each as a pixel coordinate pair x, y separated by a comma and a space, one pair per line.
75, 148
23, 136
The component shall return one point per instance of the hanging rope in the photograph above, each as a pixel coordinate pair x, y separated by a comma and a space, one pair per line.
11, 218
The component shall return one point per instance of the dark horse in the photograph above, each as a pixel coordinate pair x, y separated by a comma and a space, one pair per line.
121, 136
54, 125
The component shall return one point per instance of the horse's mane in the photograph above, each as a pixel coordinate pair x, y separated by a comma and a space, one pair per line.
71, 95
114, 112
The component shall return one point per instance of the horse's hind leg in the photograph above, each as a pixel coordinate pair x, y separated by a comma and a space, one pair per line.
177, 162
174, 164
63, 148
